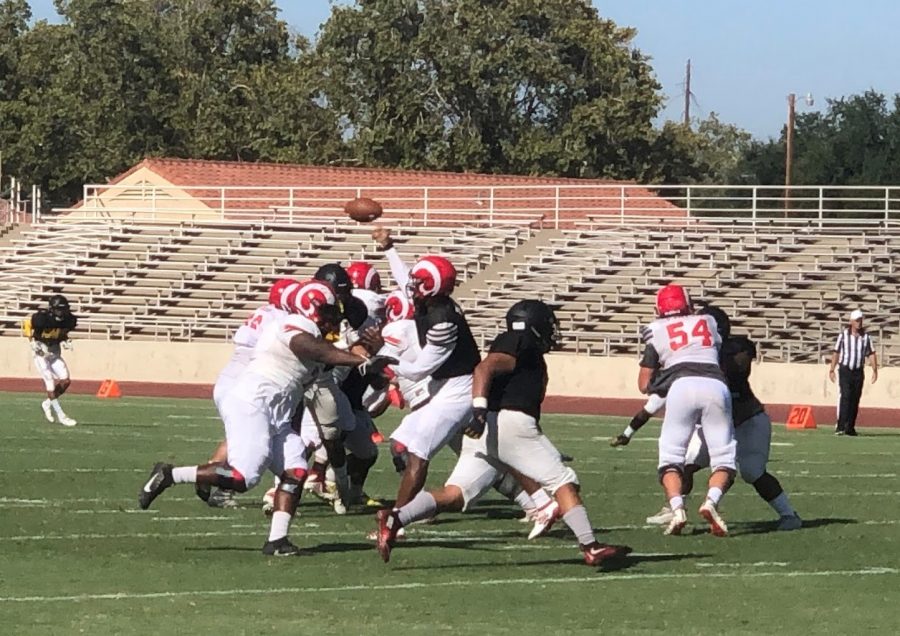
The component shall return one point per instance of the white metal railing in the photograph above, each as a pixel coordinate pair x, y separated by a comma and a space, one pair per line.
547, 205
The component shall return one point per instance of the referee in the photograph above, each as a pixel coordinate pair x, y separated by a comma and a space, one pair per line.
851, 350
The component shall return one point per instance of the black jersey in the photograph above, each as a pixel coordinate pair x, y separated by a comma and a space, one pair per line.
524, 388
440, 321
737, 354
47, 328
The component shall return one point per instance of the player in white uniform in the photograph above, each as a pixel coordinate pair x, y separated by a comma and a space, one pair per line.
245, 339
685, 348
287, 359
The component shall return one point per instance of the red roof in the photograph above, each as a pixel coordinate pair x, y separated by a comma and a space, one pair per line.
381, 184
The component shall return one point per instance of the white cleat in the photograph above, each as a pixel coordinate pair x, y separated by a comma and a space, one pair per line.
677, 523
661, 518
790, 522
544, 520
716, 522
48, 410
65, 420
338, 505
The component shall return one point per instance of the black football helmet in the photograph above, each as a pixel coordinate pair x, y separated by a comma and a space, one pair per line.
59, 306
536, 317
337, 277
722, 320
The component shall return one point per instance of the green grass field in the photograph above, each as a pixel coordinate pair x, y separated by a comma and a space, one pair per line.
76, 556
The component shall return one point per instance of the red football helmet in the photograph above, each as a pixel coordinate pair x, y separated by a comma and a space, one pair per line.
673, 300
397, 306
308, 299
277, 287
431, 276
364, 276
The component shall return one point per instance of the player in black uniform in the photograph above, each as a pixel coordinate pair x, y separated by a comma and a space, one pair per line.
503, 434
48, 330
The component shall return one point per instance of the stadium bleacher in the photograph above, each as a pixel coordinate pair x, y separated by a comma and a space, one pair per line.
198, 281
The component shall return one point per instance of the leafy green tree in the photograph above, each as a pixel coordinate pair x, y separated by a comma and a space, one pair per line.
508, 86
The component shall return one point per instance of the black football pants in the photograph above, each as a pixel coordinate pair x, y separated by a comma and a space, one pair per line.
851, 383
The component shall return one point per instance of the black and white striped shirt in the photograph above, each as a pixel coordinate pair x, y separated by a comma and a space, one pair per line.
853, 350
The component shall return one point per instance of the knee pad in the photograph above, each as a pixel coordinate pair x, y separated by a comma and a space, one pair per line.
670, 468
292, 480
398, 456
232, 479
508, 486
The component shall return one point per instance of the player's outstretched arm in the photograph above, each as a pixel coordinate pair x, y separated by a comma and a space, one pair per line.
399, 269
307, 347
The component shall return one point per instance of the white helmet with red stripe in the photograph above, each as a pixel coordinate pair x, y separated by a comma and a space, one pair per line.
398, 306
364, 276
308, 299
431, 276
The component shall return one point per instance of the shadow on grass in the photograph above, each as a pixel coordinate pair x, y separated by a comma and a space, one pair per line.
612, 565
738, 528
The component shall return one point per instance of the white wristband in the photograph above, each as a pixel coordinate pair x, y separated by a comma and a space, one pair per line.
479, 403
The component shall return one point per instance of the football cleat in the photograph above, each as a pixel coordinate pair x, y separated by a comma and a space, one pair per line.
48, 410
388, 524
268, 504
716, 523
373, 535
661, 518
596, 553
790, 522
221, 498
160, 479
677, 523
280, 547
619, 440
544, 520
65, 420
337, 504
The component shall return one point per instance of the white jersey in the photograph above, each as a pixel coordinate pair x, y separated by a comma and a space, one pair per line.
683, 339
401, 341
275, 376
246, 337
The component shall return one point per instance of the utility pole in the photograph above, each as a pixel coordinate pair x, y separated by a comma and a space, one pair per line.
687, 95
789, 150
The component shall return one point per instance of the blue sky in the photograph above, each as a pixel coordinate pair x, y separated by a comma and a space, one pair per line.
746, 56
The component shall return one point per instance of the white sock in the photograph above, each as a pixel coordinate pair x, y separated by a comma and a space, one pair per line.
423, 506
57, 407
578, 522
714, 495
184, 475
628, 432
540, 498
782, 506
525, 501
281, 523
676, 502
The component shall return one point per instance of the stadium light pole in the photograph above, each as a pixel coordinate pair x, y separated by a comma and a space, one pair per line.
789, 144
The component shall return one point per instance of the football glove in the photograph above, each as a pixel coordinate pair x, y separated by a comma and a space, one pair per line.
40, 348
375, 365
475, 428
619, 440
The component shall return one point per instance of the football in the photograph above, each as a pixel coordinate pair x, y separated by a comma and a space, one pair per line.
363, 210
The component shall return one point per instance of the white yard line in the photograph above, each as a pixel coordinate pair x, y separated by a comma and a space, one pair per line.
467, 583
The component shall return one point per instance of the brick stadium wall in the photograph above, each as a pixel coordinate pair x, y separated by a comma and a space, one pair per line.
579, 384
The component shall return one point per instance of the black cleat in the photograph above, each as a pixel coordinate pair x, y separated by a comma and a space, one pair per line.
203, 491
851, 433
160, 479
619, 440
280, 547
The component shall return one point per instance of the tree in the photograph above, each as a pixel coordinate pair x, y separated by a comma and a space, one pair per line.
508, 86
